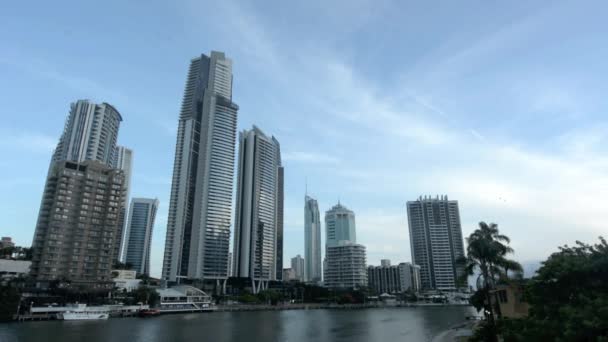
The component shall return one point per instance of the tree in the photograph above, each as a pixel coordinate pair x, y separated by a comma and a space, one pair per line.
9, 302
487, 252
568, 298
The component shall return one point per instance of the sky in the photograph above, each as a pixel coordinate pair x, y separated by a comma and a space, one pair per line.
499, 105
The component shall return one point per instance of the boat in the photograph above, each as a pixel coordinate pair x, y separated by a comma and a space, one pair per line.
149, 313
80, 312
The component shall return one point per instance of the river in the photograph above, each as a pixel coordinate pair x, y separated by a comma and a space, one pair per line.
388, 325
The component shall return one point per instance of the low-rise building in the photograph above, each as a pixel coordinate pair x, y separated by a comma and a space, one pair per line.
126, 280
183, 298
393, 279
511, 301
6, 241
289, 274
10, 269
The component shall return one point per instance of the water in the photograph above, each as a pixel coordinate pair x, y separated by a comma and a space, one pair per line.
391, 325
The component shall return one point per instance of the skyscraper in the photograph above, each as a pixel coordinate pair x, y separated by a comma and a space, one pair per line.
90, 133
297, 265
312, 240
257, 208
339, 225
280, 200
198, 224
122, 159
78, 223
436, 241
139, 233
393, 279
345, 260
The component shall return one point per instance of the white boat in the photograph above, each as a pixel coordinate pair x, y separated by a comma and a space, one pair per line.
79, 312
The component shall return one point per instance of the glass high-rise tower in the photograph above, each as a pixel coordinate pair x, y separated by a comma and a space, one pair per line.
198, 227
258, 209
312, 240
436, 241
139, 233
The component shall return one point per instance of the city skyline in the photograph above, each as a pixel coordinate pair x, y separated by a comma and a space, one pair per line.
517, 128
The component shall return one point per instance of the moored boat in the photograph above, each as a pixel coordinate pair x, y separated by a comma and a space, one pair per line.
79, 312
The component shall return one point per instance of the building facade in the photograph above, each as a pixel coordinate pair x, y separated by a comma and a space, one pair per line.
198, 223
142, 214
78, 223
257, 210
90, 133
279, 219
312, 240
123, 159
410, 277
346, 266
298, 267
339, 225
436, 241
393, 279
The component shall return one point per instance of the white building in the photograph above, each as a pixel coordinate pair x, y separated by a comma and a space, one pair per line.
339, 225
183, 298
198, 224
346, 266
255, 233
123, 159
393, 279
298, 265
125, 280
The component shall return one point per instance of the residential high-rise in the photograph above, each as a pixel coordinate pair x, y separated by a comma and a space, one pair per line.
198, 223
255, 225
339, 225
90, 133
279, 220
312, 240
142, 214
345, 260
436, 241
297, 265
123, 159
78, 223
393, 279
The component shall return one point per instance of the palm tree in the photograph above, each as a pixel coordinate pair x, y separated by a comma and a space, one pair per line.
486, 255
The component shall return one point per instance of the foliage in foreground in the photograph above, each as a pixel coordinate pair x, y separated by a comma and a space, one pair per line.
568, 298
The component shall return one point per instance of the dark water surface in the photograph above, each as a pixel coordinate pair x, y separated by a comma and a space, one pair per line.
387, 325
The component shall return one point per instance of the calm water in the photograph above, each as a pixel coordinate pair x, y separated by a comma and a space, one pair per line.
390, 325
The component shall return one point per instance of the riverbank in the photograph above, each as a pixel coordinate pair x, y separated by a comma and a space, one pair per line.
317, 306
256, 307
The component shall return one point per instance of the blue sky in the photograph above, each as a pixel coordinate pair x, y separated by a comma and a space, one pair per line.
501, 106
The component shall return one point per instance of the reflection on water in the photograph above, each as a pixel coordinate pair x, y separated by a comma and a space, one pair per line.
395, 324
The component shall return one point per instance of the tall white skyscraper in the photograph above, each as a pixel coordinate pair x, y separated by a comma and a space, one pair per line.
123, 159
255, 226
312, 240
436, 241
142, 214
90, 133
198, 225
339, 225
